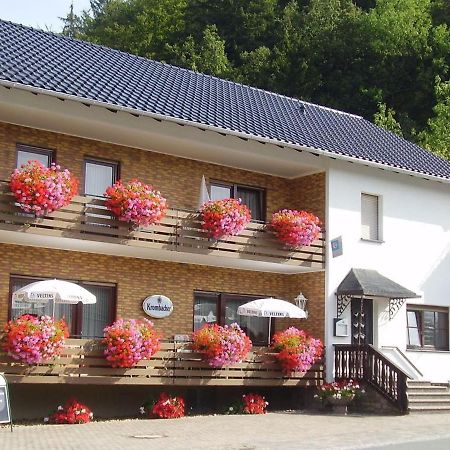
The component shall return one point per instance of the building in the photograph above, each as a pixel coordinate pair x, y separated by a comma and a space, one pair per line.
104, 115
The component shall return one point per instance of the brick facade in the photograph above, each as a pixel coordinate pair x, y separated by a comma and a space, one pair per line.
179, 181
138, 278
162, 171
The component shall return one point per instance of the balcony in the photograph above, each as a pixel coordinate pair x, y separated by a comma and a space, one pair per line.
86, 225
82, 362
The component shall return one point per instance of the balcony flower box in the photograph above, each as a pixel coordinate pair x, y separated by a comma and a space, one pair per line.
135, 202
296, 351
34, 340
221, 218
41, 190
295, 228
128, 341
221, 346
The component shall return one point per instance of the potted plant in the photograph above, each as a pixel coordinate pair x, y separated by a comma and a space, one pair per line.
128, 341
221, 346
34, 340
166, 407
339, 394
70, 413
135, 202
226, 217
295, 350
295, 228
40, 190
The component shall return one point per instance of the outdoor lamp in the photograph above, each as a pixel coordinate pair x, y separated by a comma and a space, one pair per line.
301, 301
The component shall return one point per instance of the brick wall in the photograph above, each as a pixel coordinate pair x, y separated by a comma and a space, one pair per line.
177, 178
138, 278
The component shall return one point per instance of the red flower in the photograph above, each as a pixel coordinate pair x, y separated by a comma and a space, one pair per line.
72, 412
167, 407
295, 228
254, 404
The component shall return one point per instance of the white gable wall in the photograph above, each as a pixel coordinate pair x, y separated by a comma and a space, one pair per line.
415, 251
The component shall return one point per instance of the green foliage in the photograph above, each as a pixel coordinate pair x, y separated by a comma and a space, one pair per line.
353, 55
436, 137
385, 118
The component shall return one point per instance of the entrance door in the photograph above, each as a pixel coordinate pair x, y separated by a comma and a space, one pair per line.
362, 321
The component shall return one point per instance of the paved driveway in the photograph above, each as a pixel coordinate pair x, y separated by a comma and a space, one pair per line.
274, 431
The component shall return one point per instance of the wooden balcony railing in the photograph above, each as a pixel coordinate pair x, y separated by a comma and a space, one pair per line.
180, 231
363, 362
82, 362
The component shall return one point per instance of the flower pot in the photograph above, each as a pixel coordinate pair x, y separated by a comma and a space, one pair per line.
340, 405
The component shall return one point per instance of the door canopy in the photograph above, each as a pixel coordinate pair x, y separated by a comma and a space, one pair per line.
364, 283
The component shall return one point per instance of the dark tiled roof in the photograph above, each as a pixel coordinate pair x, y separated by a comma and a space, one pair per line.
60, 64
363, 282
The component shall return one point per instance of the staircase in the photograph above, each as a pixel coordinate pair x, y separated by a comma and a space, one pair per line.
426, 397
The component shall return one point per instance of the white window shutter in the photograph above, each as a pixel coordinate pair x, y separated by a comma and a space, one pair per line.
369, 217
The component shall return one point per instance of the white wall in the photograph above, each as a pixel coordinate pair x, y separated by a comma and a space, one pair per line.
415, 252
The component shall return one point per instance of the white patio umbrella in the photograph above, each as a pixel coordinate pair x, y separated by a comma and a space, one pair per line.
57, 291
271, 307
204, 195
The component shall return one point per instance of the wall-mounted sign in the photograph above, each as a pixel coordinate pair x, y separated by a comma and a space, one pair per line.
336, 246
340, 327
157, 306
5, 409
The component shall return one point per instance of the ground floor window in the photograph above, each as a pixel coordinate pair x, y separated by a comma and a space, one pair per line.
83, 320
427, 327
214, 307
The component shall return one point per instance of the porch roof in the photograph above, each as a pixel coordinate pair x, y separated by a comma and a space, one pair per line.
364, 282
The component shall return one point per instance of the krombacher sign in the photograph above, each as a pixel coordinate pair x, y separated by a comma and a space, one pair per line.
157, 306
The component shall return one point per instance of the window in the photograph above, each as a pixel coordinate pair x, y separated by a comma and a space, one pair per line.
27, 153
82, 320
213, 307
98, 175
253, 197
370, 217
427, 328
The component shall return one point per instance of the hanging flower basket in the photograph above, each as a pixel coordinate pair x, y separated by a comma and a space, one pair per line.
166, 407
135, 202
34, 340
41, 190
70, 413
226, 217
295, 228
128, 341
296, 351
221, 346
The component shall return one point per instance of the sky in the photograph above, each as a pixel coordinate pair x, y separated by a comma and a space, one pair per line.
40, 13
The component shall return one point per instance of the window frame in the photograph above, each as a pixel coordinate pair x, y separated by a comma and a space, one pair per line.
51, 154
77, 308
420, 328
221, 300
234, 193
101, 162
379, 217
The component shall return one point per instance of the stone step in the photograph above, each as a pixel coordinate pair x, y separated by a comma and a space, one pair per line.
413, 409
427, 402
430, 395
429, 390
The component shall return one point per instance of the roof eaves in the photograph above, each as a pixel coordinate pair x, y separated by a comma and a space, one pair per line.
289, 144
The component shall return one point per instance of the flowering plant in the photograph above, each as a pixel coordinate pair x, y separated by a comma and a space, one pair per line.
40, 189
339, 389
129, 341
166, 407
221, 346
254, 404
226, 217
135, 202
296, 350
71, 412
295, 228
32, 339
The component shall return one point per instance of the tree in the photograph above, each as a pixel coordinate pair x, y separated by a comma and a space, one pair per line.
385, 118
436, 136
